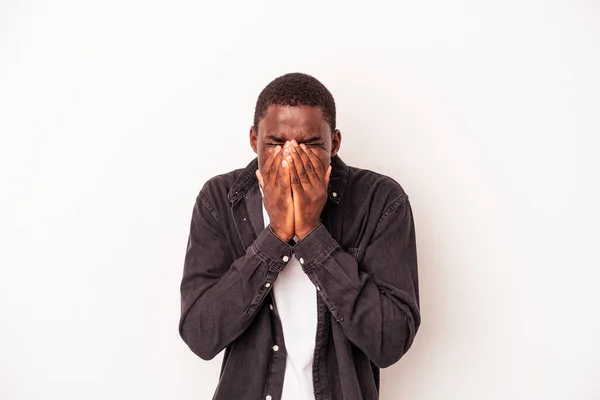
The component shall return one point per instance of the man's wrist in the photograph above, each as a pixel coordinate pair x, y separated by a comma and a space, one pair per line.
314, 246
302, 233
284, 237
270, 247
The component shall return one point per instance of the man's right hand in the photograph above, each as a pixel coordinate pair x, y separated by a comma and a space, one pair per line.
275, 182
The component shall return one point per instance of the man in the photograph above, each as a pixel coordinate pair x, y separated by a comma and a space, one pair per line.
302, 268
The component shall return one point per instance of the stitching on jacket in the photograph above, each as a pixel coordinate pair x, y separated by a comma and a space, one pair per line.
210, 207
396, 203
272, 264
319, 260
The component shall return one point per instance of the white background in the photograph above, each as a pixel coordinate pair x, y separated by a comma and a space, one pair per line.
114, 113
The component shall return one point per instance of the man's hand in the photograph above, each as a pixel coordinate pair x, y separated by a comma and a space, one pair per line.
277, 194
309, 181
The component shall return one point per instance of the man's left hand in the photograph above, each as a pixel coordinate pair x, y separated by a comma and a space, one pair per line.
309, 187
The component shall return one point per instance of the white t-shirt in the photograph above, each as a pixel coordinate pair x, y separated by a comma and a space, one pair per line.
296, 302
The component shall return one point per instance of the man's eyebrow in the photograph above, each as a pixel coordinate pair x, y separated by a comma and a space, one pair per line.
275, 139
312, 139
280, 140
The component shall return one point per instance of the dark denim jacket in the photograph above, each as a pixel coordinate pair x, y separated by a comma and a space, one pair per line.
361, 258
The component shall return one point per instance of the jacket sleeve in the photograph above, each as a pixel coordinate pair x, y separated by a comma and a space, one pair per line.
219, 294
376, 302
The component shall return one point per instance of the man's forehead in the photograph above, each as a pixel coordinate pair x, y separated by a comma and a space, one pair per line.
290, 122
299, 115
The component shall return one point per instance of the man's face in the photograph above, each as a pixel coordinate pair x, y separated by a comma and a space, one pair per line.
303, 124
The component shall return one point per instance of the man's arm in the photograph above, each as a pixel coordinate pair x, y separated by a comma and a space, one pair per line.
220, 295
376, 302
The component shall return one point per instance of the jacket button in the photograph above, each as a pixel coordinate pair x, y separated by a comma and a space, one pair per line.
334, 194
286, 258
301, 260
267, 284
268, 397
275, 348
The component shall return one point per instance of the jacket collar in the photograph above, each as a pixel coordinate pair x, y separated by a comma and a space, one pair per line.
247, 179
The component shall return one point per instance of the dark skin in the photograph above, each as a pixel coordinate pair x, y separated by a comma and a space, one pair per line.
294, 147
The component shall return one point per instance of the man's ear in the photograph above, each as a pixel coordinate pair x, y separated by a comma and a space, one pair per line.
254, 139
336, 141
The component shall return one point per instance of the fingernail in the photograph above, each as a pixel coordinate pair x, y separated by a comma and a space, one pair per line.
289, 158
303, 146
284, 163
277, 149
294, 143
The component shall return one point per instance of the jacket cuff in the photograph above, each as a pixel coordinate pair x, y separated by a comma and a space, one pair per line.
315, 247
272, 249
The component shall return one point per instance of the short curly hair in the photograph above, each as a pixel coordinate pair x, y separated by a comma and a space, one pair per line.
296, 89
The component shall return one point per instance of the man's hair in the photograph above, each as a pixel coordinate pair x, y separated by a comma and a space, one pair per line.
296, 89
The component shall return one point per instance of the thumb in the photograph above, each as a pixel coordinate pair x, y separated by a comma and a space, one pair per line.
260, 179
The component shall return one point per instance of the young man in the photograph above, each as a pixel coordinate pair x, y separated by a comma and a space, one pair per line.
302, 268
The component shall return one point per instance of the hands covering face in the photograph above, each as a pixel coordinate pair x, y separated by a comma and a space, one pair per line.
294, 183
